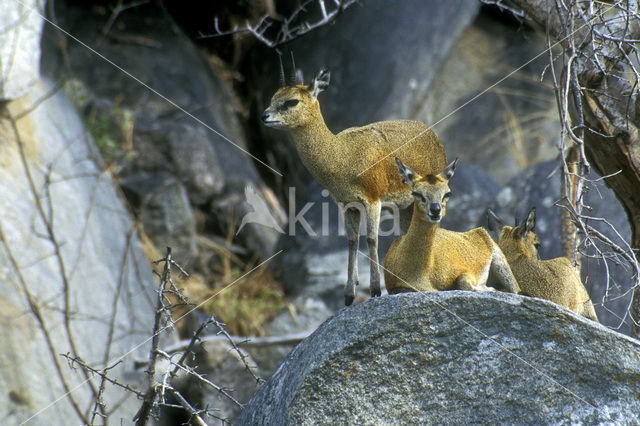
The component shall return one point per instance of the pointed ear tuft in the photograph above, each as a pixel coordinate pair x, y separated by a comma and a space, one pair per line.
530, 220
408, 176
447, 173
528, 225
320, 82
494, 223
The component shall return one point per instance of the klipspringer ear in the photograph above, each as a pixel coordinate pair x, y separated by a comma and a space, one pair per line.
408, 176
447, 173
494, 223
530, 220
320, 82
527, 225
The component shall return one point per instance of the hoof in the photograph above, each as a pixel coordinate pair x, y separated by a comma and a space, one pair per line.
348, 299
375, 292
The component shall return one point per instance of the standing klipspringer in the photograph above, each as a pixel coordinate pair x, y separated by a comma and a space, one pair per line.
355, 165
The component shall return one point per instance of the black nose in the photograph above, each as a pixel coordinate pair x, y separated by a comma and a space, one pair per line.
265, 116
435, 209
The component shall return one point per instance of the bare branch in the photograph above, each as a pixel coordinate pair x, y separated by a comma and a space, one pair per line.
255, 342
195, 415
288, 29
142, 416
102, 373
599, 110
201, 378
117, 10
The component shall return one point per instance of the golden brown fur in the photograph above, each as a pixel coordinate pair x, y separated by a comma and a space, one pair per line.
555, 279
429, 258
357, 164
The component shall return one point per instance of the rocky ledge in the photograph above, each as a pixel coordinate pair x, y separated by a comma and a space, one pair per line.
454, 357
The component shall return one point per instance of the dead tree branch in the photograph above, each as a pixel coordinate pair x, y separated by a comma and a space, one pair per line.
102, 373
599, 108
274, 33
149, 401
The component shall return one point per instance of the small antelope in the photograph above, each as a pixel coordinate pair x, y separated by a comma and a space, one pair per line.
554, 279
429, 258
355, 165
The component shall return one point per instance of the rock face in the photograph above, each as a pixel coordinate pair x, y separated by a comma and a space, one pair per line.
20, 29
504, 127
472, 190
304, 313
454, 358
186, 126
68, 249
164, 208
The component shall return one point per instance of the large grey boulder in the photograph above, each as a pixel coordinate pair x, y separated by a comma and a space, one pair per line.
20, 29
454, 358
313, 268
72, 270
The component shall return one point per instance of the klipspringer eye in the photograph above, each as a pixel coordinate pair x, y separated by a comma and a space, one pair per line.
419, 194
290, 103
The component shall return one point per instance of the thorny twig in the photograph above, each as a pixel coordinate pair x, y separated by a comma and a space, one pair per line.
180, 365
102, 373
254, 342
149, 400
202, 379
243, 356
117, 10
155, 394
290, 28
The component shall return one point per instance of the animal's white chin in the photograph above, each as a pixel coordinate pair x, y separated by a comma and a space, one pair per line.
274, 123
434, 219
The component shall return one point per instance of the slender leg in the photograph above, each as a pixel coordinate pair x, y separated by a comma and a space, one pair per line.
373, 222
468, 282
352, 226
